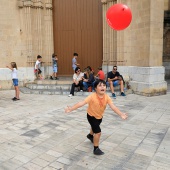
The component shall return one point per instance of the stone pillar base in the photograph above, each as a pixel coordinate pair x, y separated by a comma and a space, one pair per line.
146, 81
149, 89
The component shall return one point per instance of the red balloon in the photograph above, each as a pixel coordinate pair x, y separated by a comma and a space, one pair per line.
119, 17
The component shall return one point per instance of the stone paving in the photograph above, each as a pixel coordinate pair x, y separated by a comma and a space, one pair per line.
36, 134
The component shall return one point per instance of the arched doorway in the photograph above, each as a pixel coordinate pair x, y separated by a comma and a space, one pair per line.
78, 28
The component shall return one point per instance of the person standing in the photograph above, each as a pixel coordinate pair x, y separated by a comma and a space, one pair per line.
13, 67
74, 61
55, 67
97, 103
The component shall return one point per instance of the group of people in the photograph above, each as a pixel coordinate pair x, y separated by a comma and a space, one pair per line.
85, 80
37, 68
96, 101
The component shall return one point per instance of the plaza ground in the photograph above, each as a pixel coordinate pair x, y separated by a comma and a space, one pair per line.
36, 134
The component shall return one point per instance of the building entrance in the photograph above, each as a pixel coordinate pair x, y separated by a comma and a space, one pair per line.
78, 28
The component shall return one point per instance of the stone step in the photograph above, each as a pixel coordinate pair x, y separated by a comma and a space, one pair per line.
64, 91
47, 81
49, 86
58, 87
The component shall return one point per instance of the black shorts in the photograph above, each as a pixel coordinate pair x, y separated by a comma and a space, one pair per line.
95, 123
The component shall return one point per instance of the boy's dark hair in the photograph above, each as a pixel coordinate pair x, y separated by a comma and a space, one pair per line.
99, 82
53, 55
114, 66
77, 68
75, 54
38, 56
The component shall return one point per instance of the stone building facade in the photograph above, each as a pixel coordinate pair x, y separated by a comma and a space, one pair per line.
26, 29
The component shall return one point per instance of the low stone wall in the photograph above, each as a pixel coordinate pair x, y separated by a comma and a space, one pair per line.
147, 81
25, 75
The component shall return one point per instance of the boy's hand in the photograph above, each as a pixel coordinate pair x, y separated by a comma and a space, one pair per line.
124, 116
68, 109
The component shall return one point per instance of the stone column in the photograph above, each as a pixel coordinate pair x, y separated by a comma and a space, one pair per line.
48, 36
139, 47
109, 39
36, 18
147, 77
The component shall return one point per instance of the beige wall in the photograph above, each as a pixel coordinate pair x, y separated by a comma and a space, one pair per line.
11, 46
141, 43
26, 30
166, 4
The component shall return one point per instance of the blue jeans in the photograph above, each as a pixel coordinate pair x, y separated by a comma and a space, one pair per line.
115, 83
86, 85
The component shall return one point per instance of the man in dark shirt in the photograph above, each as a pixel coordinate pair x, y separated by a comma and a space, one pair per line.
115, 79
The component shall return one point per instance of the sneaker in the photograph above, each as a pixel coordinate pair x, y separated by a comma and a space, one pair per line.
113, 95
90, 138
98, 152
56, 78
51, 77
14, 98
70, 95
123, 94
81, 90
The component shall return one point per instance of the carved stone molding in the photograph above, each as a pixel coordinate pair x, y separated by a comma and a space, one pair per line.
38, 4
30, 3
20, 3
106, 1
48, 6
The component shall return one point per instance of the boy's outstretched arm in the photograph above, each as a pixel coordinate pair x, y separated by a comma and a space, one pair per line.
77, 105
117, 111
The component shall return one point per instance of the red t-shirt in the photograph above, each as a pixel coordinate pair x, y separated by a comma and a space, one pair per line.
101, 75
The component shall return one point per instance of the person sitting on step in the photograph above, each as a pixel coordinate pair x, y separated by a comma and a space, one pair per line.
88, 80
115, 79
77, 81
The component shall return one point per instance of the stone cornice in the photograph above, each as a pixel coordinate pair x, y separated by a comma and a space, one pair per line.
106, 1
38, 4
31, 3
28, 3
48, 6
20, 3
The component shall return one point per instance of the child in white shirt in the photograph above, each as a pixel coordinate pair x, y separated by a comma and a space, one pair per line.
37, 69
13, 67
